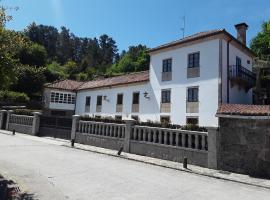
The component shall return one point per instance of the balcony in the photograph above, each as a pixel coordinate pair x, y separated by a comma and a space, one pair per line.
242, 77
192, 107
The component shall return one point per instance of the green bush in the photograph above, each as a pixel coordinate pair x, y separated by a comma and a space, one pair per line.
24, 112
10, 96
193, 127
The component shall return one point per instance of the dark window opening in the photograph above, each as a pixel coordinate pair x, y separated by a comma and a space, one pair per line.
167, 65
119, 99
136, 97
194, 60
99, 100
166, 96
193, 94
192, 120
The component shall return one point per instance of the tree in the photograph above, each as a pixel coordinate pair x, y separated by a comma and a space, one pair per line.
30, 80
34, 55
44, 35
261, 43
135, 59
10, 44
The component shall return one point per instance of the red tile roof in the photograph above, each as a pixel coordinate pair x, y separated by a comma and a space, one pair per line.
135, 77
198, 36
117, 80
64, 85
246, 110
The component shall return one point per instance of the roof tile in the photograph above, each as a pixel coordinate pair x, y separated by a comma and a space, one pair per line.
245, 110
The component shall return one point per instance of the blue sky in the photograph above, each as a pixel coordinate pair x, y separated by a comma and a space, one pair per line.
149, 22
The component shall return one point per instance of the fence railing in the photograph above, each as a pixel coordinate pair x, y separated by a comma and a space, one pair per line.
21, 119
100, 128
173, 137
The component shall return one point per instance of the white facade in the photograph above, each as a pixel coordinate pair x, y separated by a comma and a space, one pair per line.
212, 84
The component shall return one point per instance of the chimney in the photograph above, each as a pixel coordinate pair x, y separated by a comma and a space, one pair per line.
241, 32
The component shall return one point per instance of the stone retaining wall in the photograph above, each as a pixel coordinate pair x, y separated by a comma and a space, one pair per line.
245, 145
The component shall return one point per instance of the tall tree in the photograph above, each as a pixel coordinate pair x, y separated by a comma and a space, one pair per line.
44, 35
260, 44
10, 44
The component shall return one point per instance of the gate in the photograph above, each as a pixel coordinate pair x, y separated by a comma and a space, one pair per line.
57, 127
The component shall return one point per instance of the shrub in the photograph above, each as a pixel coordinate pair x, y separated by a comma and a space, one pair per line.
10, 96
24, 112
193, 127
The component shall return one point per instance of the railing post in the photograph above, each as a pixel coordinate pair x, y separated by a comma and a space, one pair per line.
129, 124
36, 122
8, 118
2, 113
75, 119
213, 147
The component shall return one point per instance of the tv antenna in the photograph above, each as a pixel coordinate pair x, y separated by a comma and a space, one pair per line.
184, 25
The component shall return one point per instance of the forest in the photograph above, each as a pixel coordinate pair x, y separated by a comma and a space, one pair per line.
41, 54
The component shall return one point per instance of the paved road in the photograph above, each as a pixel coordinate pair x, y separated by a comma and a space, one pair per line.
54, 172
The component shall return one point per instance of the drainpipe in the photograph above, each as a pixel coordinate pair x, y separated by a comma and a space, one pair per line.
228, 70
75, 102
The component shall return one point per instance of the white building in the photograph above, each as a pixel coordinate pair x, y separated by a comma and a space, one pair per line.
187, 81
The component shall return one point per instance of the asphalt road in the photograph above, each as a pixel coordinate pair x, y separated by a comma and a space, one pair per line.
55, 172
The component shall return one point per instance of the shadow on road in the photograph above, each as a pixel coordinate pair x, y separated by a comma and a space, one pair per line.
10, 191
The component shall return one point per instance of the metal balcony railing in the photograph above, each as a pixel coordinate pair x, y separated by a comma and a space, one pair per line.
241, 75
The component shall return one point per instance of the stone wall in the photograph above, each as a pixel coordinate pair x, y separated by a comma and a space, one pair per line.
245, 145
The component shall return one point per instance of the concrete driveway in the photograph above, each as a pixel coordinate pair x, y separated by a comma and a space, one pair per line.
55, 172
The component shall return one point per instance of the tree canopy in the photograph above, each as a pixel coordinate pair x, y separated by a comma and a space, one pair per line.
42, 53
261, 43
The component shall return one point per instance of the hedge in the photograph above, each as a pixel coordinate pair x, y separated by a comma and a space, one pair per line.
190, 127
10, 96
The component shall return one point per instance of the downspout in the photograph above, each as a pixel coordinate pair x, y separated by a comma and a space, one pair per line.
75, 102
228, 70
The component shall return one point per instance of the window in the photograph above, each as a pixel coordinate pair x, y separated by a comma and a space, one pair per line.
99, 100
136, 97
194, 60
119, 99
57, 97
167, 65
87, 104
165, 119
53, 97
238, 61
192, 120
192, 94
166, 96
118, 117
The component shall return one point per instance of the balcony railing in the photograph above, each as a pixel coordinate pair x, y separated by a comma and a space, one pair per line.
242, 76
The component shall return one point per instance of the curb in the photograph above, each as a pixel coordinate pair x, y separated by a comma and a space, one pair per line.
170, 167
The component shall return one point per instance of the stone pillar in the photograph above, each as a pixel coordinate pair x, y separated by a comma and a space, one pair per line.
36, 122
128, 132
8, 118
2, 113
75, 119
213, 147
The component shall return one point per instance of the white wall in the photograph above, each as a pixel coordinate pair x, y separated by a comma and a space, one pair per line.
148, 108
237, 95
207, 82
